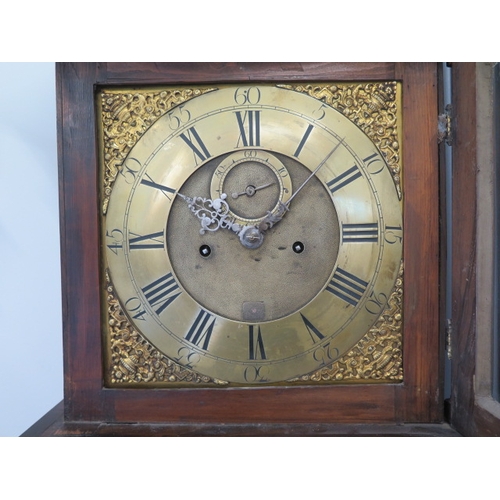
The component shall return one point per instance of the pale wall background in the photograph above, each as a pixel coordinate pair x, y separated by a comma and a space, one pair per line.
31, 371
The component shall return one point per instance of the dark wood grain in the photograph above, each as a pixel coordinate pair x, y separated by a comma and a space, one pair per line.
464, 247
79, 240
472, 413
293, 404
417, 399
53, 424
421, 251
125, 73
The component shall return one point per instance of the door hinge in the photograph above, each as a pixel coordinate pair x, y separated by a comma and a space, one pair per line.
447, 341
444, 126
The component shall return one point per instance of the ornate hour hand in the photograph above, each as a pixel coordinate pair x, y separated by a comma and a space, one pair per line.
271, 219
251, 190
214, 214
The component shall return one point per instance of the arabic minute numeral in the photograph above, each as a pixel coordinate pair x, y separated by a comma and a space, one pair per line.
250, 95
135, 308
375, 302
393, 234
178, 117
187, 357
129, 169
326, 354
116, 237
320, 112
255, 373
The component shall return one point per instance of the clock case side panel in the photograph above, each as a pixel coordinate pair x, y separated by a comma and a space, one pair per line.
416, 400
80, 271
421, 338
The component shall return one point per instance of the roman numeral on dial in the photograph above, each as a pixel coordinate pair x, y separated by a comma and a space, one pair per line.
371, 165
347, 287
201, 330
148, 241
255, 343
162, 292
344, 179
193, 140
164, 189
303, 141
249, 125
314, 333
360, 233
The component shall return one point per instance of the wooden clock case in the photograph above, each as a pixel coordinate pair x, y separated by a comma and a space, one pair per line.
413, 407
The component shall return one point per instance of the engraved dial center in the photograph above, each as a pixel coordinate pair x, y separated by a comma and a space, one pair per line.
278, 274
255, 182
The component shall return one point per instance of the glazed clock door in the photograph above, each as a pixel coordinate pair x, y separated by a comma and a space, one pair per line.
245, 247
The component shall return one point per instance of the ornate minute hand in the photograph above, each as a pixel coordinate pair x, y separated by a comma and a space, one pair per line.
272, 219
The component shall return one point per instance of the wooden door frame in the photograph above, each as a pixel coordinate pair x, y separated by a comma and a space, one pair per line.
418, 399
473, 410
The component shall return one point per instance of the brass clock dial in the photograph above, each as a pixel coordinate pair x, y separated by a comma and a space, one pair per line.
253, 234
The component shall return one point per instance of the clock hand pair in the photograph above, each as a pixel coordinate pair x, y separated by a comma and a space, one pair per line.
271, 219
214, 214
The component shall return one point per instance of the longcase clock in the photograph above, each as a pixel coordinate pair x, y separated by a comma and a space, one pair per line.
249, 244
